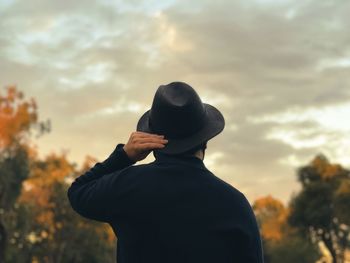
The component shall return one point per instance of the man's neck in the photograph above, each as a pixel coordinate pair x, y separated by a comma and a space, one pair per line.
199, 154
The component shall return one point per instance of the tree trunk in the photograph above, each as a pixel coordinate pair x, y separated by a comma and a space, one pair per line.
3, 238
329, 245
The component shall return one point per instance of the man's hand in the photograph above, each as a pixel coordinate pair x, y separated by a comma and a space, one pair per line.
140, 144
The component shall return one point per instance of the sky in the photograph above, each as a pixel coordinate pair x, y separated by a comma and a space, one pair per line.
277, 70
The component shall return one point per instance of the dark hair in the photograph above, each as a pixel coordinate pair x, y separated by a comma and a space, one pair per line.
193, 150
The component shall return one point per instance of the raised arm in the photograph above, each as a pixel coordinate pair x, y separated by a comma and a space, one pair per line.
94, 194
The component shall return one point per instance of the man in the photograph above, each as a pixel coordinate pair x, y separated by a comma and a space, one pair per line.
173, 209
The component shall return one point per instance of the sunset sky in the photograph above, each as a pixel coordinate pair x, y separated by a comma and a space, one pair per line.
278, 70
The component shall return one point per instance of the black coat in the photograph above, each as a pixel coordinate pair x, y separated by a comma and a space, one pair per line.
171, 210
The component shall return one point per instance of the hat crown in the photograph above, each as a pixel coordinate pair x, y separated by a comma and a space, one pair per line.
177, 111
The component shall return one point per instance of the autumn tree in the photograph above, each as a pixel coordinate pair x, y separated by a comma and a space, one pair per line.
281, 242
321, 209
37, 223
271, 215
57, 234
18, 117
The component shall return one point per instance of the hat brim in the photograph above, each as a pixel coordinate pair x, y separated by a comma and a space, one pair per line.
214, 124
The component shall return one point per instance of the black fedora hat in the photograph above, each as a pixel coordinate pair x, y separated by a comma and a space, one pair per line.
178, 113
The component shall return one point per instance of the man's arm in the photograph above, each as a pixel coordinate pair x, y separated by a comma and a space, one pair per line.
87, 193
95, 194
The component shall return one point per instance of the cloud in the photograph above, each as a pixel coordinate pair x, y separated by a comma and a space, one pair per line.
322, 128
278, 70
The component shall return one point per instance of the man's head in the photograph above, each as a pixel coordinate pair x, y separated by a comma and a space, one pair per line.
178, 113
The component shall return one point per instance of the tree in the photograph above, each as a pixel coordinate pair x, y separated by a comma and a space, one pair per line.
37, 223
271, 215
56, 233
17, 118
290, 249
281, 242
320, 209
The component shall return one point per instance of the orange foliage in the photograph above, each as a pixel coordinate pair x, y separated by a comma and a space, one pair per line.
43, 190
38, 187
16, 116
344, 188
324, 168
272, 216
37, 190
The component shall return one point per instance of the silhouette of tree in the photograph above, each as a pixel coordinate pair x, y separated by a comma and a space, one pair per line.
281, 242
37, 223
56, 233
17, 118
321, 209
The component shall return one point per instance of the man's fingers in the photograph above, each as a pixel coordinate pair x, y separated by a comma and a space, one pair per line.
151, 146
147, 135
150, 140
143, 141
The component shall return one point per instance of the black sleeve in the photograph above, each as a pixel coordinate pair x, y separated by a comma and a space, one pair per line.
93, 194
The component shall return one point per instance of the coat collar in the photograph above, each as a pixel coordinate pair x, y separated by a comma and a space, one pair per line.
184, 159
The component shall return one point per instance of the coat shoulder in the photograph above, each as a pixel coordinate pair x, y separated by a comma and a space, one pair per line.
228, 187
